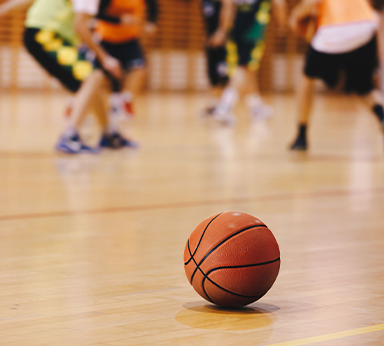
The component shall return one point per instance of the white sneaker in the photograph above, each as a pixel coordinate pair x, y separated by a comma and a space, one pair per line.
261, 112
223, 117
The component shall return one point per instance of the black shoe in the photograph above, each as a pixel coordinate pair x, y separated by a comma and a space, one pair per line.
116, 141
300, 144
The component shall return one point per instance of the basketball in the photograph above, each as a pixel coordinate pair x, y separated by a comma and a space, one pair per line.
231, 259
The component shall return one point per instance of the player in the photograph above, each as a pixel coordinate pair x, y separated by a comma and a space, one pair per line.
122, 102
51, 39
119, 40
245, 50
218, 20
344, 40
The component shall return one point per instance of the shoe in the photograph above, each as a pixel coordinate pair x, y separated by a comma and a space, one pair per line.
116, 141
74, 145
223, 117
300, 144
261, 112
208, 112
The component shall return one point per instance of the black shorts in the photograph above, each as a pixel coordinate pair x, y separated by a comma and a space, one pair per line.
359, 67
247, 43
58, 57
217, 66
130, 56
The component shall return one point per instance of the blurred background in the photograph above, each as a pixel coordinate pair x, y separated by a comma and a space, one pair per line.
175, 54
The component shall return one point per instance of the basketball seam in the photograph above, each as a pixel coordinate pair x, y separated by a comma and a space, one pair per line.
201, 238
218, 245
243, 266
231, 267
192, 258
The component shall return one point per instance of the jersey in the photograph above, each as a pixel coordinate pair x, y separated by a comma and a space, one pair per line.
343, 26
116, 32
53, 15
211, 13
337, 12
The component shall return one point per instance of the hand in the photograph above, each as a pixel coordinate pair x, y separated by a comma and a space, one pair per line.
128, 19
218, 38
150, 28
113, 66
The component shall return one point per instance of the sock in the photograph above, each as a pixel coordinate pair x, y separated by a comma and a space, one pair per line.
213, 102
253, 101
302, 131
126, 96
228, 100
69, 107
113, 125
115, 101
70, 132
379, 111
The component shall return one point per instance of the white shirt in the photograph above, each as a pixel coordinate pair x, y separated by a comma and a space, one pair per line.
90, 7
343, 38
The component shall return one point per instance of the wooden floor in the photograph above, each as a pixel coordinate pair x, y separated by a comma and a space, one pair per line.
91, 247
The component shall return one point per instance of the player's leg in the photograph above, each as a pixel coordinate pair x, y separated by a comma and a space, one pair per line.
112, 138
317, 65
62, 61
361, 67
87, 97
218, 76
305, 102
132, 59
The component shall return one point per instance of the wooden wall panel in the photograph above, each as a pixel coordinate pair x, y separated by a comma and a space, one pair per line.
180, 34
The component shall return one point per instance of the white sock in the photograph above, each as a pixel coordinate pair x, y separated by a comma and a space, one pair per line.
69, 132
253, 101
126, 96
228, 100
213, 102
115, 100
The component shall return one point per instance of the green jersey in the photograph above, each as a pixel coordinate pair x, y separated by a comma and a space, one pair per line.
53, 15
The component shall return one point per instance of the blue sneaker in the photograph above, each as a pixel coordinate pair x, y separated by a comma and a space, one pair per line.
74, 145
116, 141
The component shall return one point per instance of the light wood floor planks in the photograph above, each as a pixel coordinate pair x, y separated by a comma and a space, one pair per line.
91, 247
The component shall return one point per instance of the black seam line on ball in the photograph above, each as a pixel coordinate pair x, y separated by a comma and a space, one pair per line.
243, 266
231, 267
218, 245
228, 291
202, 284
201, 238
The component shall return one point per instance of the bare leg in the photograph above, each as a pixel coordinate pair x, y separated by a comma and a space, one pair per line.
135, 81
305, 103
84, 97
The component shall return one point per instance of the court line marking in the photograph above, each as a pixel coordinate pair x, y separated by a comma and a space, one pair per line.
180, 205
332, 336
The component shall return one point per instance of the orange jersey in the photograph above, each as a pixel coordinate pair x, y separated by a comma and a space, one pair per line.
118, 33
336, 12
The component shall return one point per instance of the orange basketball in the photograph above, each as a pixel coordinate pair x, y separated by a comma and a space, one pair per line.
232, 259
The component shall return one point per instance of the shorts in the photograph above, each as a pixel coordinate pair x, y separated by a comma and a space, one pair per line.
130, 56
247, 42
217, 66
58, 57
358, 65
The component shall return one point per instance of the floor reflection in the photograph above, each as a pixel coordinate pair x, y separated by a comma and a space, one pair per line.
206, 316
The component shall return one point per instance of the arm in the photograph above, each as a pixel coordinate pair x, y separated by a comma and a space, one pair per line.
82, 28
152, 11
305, 9
226, 21
13, 5
281, 12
